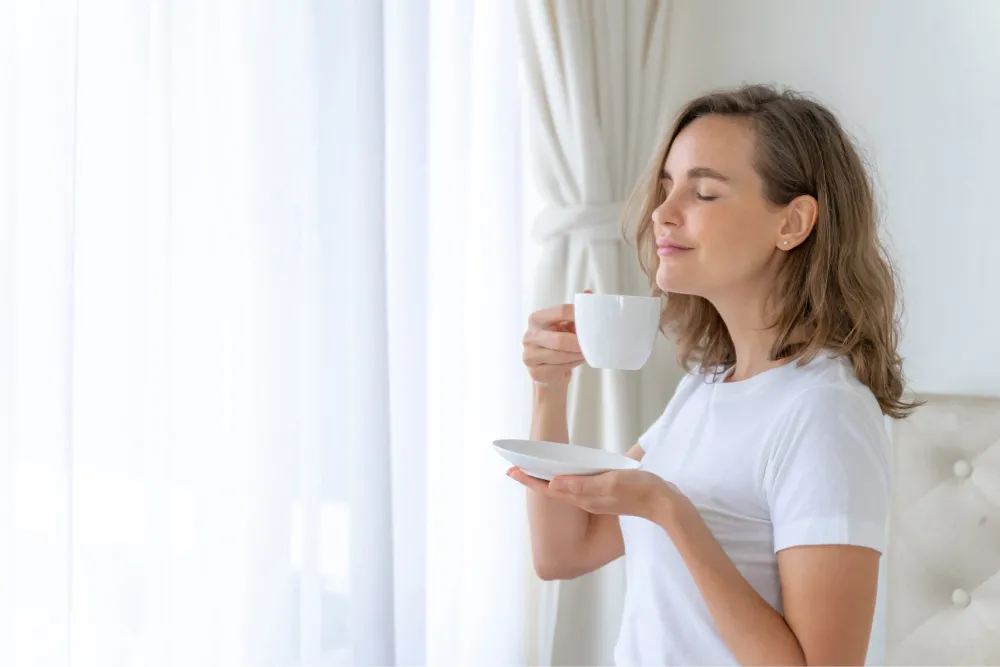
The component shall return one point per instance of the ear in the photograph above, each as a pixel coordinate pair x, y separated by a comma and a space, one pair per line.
797, 221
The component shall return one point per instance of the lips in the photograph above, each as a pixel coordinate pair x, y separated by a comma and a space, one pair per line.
670, 247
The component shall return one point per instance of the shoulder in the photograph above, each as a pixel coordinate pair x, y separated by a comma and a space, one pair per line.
830, 418
828, 475
826, 390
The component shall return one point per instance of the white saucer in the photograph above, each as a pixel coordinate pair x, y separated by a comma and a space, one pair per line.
546, 459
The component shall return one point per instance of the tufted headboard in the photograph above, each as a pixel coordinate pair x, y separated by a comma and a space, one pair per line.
943, 561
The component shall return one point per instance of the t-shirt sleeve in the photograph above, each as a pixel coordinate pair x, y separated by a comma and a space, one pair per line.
829, 477
657, 431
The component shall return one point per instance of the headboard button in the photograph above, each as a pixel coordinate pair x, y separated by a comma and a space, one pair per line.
962, 468
960, 598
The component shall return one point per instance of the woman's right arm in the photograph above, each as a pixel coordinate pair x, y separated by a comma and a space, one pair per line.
566, 541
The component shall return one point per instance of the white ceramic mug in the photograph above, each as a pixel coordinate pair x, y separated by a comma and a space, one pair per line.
616, 331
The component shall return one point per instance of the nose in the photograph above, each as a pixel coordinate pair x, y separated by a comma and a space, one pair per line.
666, 214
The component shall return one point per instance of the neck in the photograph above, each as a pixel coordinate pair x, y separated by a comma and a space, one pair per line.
746, 321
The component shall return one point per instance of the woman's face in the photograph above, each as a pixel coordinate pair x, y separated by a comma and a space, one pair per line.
716, 234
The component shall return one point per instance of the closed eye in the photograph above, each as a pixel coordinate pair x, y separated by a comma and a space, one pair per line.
702, 197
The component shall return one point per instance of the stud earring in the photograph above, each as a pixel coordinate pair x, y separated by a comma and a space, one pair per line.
784, 243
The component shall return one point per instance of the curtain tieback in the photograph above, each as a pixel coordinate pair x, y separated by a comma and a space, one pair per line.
591, 221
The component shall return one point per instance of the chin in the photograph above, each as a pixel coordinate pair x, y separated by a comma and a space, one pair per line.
674, 281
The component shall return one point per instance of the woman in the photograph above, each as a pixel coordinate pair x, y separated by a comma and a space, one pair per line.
755, 524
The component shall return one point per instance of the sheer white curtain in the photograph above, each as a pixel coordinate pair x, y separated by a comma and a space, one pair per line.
260, 314
161, 385
430, 209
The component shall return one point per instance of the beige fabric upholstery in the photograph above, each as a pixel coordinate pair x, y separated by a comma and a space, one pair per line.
944, 535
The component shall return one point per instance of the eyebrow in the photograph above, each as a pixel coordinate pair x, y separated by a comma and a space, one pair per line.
700, 172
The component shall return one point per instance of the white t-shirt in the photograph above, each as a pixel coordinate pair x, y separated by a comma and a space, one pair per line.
791, 456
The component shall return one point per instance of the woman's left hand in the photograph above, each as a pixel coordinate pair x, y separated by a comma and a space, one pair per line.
630, 492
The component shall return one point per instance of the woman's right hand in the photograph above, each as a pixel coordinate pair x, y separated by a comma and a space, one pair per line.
551, 348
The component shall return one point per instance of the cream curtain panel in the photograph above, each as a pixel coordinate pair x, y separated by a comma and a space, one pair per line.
595, 82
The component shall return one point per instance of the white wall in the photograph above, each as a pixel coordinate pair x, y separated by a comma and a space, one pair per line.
918, 84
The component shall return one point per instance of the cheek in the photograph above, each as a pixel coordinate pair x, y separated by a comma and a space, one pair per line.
732, 246
733, 242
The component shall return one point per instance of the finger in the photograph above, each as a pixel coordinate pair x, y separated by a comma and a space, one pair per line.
561, 327
546, 317
533, 483
555, 370
536, 356
553, 340
582, 498
578, 485
592, 504
543, 487
567, 366
567, 484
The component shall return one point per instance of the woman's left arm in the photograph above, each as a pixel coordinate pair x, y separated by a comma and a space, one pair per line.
828, 596
828, 592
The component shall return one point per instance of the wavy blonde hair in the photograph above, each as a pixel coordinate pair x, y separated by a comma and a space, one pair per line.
837, 290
